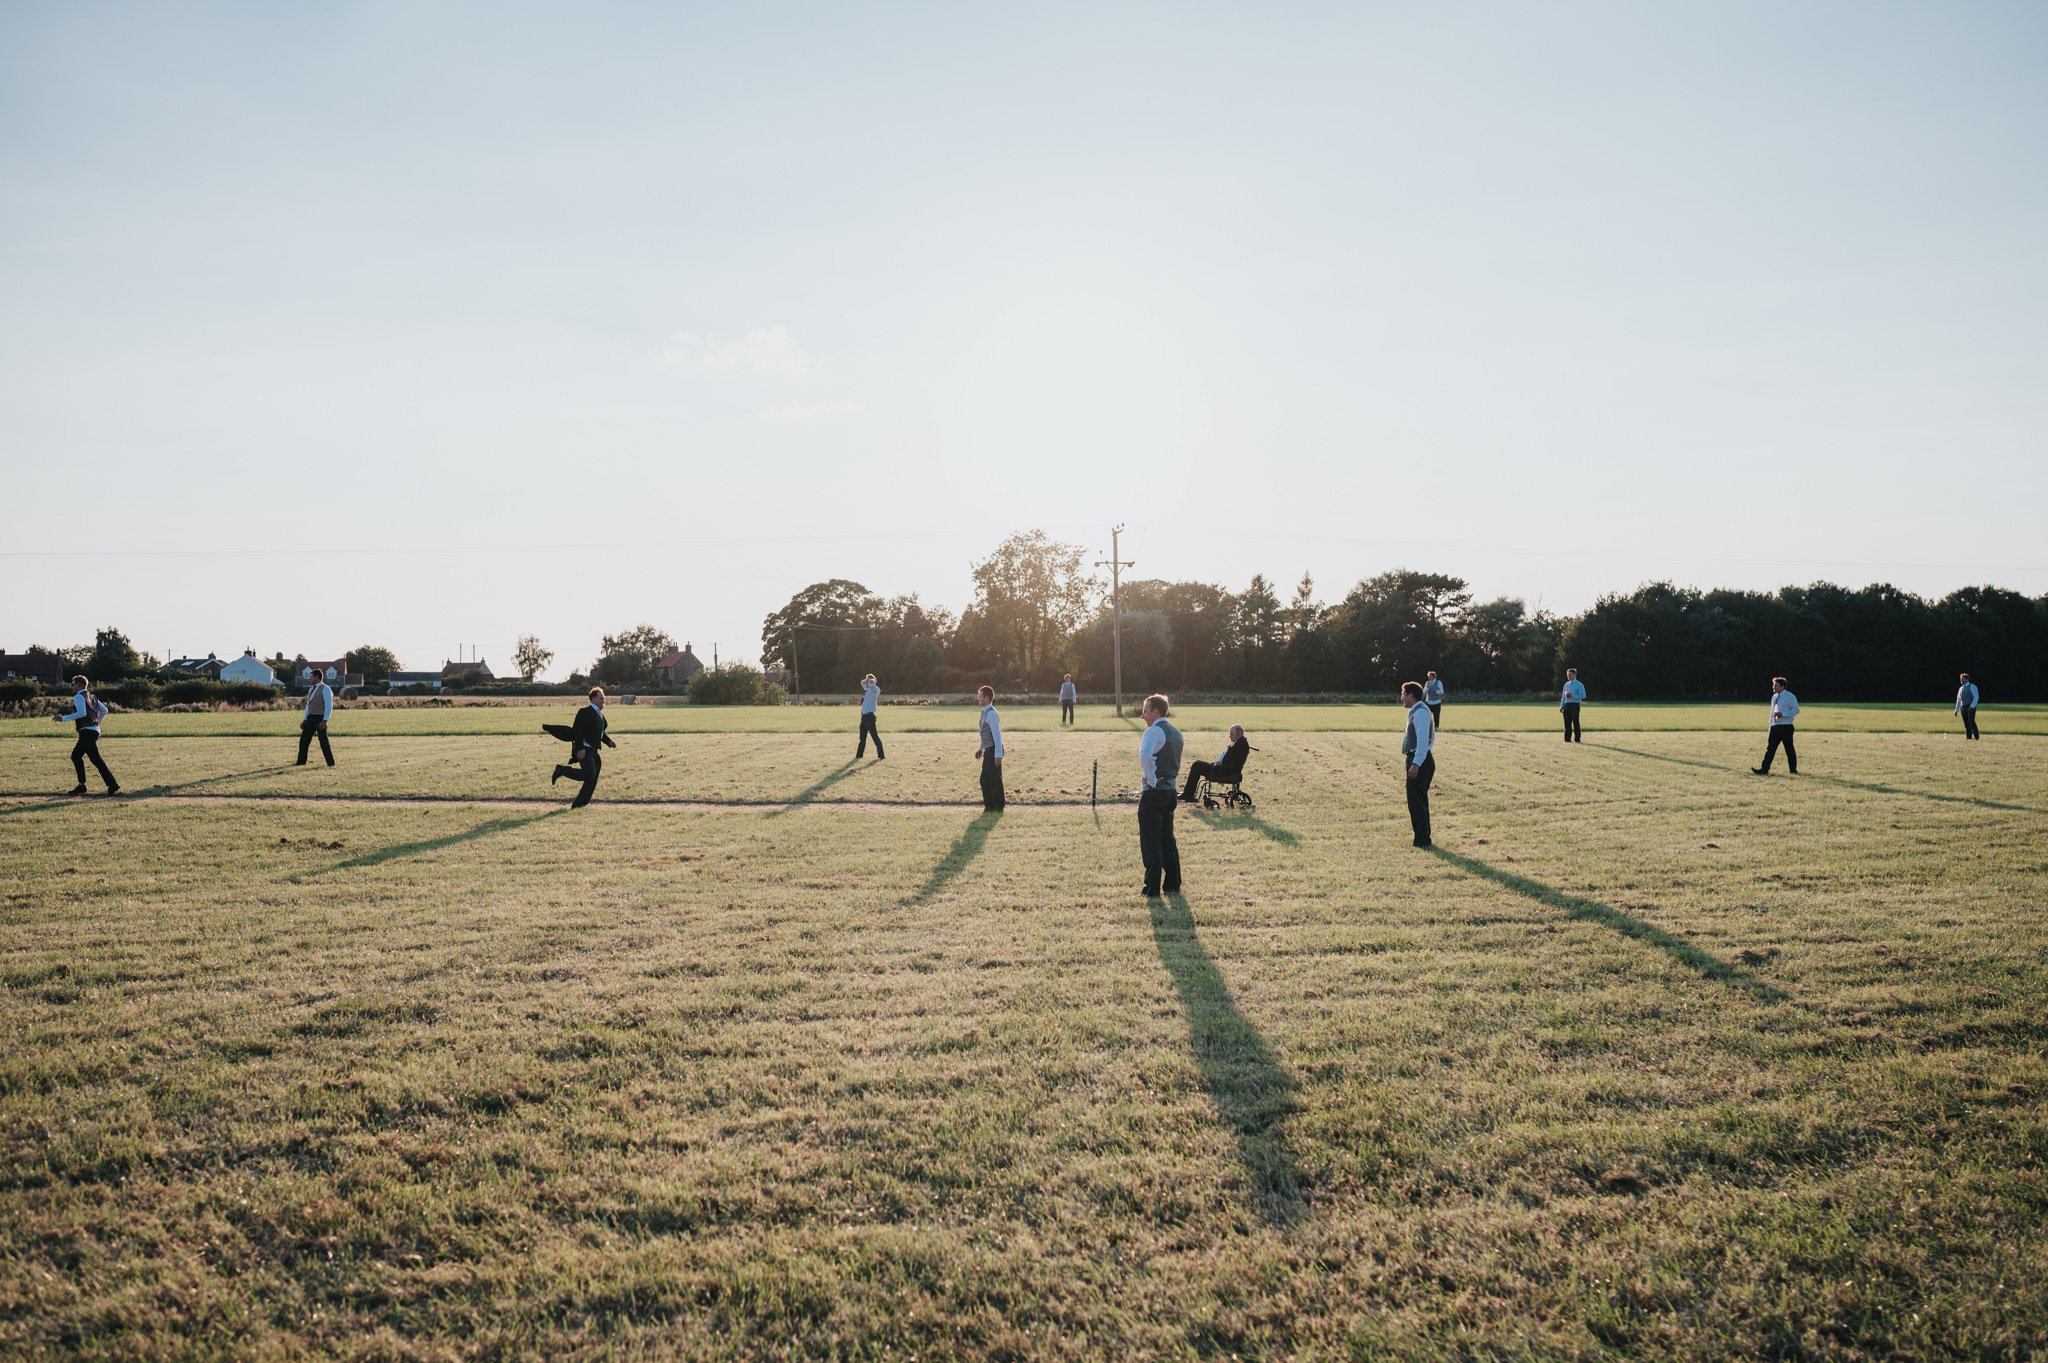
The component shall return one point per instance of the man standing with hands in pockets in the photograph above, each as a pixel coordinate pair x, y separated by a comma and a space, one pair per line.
991, 751
1158, 767
1419, 762
313, 723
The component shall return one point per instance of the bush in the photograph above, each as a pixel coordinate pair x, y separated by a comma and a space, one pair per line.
200, 691
733, 684
137, 693
14, 691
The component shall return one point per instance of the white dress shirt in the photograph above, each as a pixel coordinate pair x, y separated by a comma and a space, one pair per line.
320, 696
1433, 692
79, 711
870, 694
1067, 691
1966, 697
1784, 708
991, 731
1148, 755
1424, 724
1574, 692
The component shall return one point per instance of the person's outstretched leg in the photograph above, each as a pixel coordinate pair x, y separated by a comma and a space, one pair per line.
305, 740
1195, 773
1791, 753
78, 760
326, 748
90, 741
1169, 850
592, 766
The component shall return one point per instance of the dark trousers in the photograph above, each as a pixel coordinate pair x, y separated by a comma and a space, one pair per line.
1156, 843
589, 770
1418, 798
1782, 734
991, 782
88, 746
867, 731
1436, 714
1571, 722
1969, 714
1066, 712
309, 729
1221, 775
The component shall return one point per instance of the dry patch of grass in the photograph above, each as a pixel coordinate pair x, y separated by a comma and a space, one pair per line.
1658, 1058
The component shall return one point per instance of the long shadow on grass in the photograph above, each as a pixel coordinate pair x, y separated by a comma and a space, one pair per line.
1870, 786
412, 849
144, 792
1226, 821
815, 789
1251, 1090
964, 850
1628, 925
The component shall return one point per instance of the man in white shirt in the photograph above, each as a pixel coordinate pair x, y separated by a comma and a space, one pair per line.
86, 712
1784, 709
1419, 761
1966, 706
990, 753
1574, 696
1068, 695
1158, 768
1433, 697
319, 708
870, 697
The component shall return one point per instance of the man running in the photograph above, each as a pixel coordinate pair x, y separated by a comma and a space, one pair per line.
584, 760
87, 710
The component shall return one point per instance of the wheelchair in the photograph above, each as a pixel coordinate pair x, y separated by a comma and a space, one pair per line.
1228, 793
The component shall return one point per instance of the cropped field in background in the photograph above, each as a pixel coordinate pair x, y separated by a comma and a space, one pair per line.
1653, 1057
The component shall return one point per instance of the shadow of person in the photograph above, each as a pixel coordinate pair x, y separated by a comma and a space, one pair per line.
815, 789
964, 850
1627, 924
1246, 1082
148, 792
1226, 821
399, 850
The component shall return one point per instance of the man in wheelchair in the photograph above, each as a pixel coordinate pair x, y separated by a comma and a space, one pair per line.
1226, 770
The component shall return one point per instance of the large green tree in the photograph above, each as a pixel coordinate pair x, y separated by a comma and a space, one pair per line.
373, 661
530, 658
828, 635
626, 660
1031, 594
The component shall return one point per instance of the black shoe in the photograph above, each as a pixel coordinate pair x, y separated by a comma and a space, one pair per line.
112, 790
78, 789
1424, 846
1173, 888
1761, 771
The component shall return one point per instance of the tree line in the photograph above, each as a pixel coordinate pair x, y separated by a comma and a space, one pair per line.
1038, 614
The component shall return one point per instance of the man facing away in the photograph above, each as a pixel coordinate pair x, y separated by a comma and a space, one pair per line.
1418, 759
1433, 697
1158, 764
870, 697
87, 710
1068, 695
1784, 709
1228, 766
319, 708
584, 760
1966, 706
990, 753
1574, 696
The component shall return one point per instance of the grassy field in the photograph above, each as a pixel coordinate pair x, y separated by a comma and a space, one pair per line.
769, 1055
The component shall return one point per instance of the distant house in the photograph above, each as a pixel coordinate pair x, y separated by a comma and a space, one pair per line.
415, 681
208, 667
452, 671
334, 673
247, 668
675, 668
34, 667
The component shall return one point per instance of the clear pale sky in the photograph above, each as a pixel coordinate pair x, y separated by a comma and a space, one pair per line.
430, 325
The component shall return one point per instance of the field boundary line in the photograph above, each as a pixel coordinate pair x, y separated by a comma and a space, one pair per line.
523, 801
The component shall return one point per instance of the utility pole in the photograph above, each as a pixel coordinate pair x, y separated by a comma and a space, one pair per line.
1116, 565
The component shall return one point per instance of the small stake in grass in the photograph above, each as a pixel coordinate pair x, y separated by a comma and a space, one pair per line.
1094, 775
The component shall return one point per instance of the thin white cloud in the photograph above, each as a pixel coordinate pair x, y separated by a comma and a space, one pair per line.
764, 352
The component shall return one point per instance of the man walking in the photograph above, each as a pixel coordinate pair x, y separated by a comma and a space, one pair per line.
1418, 759
870, 697
584, 761
1574, 696
1158, 764
1068, 695
1433, 697
990, 752
319, 707
1784, 709
1966, 706
87, 710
